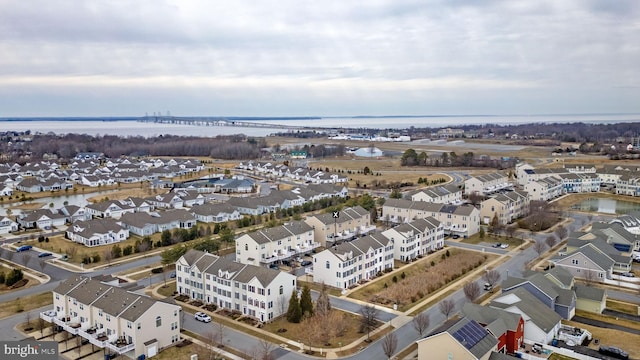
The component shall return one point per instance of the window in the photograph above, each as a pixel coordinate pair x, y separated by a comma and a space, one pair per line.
246, 247
158, 321
281, 290
129, 325
108, 317
328, 265
139, 326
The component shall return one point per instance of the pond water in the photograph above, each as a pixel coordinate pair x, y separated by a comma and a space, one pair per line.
58, 201
607, 206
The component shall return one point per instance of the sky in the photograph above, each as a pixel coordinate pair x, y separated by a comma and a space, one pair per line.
318, 58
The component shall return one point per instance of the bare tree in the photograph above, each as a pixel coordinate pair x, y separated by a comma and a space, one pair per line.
590, 277
421, 322
72, 251
263, 352
491, 277
539, 247
446, 307
107, 255
550, 241
323, 304
221, 331
26, 257
42, 264
561, 232
311, 331
282, 303
510, 230
41, 324
390, 344
368, 320
471, 290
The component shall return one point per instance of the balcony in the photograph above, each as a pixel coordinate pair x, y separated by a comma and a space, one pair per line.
69, 324
119, 345
95, 338
278, 257
367, 229
306, 247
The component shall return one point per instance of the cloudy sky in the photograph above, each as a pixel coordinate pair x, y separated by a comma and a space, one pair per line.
297, 57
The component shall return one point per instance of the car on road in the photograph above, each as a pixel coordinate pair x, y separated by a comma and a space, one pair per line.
504, 246
613, 352
200, 316
172, 274
24, 248
496, 245
455, 236
44, 254
628, 274
488, 287
305, 263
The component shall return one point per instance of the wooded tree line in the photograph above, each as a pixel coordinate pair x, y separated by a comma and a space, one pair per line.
451, 159
67, 146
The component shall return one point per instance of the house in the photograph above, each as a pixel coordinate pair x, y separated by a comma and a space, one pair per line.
630, 222
7, 225
75, 213
505, 326
114, 319
457, 339
617, 235
270, 245
628, 184
544, 189
593, 260
144, 224
43, 219
97, 232
460, 220
541, 324
447, 194
486, 184
591, 299
506, 207
255, 291
330, 228
419, 237
556, 298
110, 209
215, 213
349, 263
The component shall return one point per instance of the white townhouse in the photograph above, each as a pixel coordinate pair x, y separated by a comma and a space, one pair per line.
507, 207
580, 182
114, 319
486, 184
544, 189
97, 232
418, 237
447, 194
346, 224
628, 184
347, 264
215, 213
144, 224
43, 219
75, 213
110, 209
254, 291
7, 225
270, 245
462, 220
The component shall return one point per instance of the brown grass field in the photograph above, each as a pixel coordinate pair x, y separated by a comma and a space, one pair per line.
25, 304
627, 341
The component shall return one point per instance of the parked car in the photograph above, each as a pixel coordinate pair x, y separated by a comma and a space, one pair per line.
613, 352
496, 245
306, 263
456, 236
273, 266
24, 248
200, 316
172, 274
44, 254
488, 287
628, 274
504, 246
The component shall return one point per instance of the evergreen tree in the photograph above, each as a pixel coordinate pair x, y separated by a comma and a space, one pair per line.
306, 304
294, 312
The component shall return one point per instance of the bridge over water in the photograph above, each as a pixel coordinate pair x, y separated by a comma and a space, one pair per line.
219, 121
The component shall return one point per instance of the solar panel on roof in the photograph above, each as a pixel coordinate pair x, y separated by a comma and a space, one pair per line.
470, 334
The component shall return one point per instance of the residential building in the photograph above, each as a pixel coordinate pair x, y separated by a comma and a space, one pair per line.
349, 263
270, 245
457, 339
112, 318
43, 219
580, 183
506, 207
590, 298
461, 220
486, 184
254, 291
556, 298
97, 232
144, 224
418, 237
215, 213
544, 189
446, 194
110, 209
541, 324
330, 228
505, 326
7, 225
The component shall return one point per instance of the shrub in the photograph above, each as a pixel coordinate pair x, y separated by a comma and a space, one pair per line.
46, 239
394, 279
127, 250
447, 253
433, 263
95, 258
1, 277
86, 259
14, 276
403, 275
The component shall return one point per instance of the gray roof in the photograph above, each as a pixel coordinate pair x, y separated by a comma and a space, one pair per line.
539, 313
566, 297
345, 215
213, 209
500, 356
487, 315
589, 292
360, 245
561, 274
87, 229
293, 228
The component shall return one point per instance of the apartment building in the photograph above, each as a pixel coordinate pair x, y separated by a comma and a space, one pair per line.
580, 183
271, 245
254, 291
346, 264
486, 184
628, 184
447, 194
507, 207
418, 237
330, 228
544, 189
112, 318
460, 220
